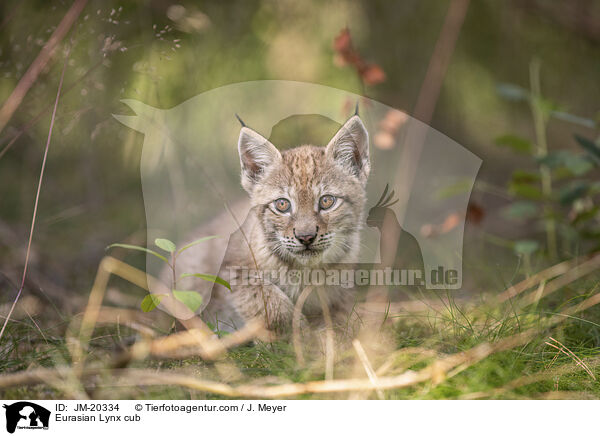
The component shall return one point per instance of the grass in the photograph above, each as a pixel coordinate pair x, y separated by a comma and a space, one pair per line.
542, 342
548, 348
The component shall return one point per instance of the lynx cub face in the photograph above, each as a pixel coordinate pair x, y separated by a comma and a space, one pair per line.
309, 200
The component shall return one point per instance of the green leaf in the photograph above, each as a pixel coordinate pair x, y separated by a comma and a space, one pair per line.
135, 247
577, 164
526, 247
546, 106
165, 244
521, 176
595, 188
196, 242
592, 148
512, 92
575, 119
554, 159
151, 302
516, 143
573, 191
525, 190
586, 215
521, 210
209, 278
191, 299
460, 187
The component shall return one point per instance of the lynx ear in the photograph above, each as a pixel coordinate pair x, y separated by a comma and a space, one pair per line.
349, 148
257, 154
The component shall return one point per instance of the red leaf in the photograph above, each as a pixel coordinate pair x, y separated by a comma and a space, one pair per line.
475, 213
343, 42
372, 74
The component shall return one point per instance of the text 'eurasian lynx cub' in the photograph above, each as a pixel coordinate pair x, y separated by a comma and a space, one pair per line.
307, 209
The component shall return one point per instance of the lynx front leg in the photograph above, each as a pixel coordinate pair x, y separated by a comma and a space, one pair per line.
267, 302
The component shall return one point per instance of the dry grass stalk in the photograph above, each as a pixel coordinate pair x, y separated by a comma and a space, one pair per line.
530, 379
568, 277
329, 338
109, 265
204, 342
563, 349
41, 178
423, 354
362, 356
296, 324
133, 319
27, 306
435, 372
547, 274
194, 343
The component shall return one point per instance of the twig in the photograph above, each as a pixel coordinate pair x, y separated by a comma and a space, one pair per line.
435, 372
39, 188
199, 337
16, 97
39, 115
10, 15
108, 265
570, 276
547, 274
208, 348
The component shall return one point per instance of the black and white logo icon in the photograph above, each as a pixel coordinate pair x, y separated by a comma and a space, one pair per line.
26, 415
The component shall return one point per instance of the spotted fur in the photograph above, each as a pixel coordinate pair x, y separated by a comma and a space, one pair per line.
271, 240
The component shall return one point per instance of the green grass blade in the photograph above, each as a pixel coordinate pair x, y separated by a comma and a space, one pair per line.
135, 247
209, 278
196, 242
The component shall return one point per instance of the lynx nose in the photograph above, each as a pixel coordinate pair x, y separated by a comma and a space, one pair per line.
306, 237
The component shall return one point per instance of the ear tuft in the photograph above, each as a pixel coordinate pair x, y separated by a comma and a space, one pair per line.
349, 148
257, 155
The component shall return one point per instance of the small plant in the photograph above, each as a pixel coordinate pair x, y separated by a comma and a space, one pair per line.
191, 299
561, 194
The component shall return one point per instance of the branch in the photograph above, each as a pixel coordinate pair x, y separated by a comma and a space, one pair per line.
16, 97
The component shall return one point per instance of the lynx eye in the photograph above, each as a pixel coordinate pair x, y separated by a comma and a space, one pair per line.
282, 205
326, 202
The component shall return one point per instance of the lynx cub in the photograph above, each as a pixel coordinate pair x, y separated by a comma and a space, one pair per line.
307, 209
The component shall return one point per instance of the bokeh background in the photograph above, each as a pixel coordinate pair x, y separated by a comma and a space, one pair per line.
515, 82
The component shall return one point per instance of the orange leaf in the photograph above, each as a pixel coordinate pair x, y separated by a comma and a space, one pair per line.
372, 74
343, 42
450, 222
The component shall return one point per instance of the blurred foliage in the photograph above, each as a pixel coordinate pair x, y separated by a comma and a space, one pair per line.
164, 52
571, 194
